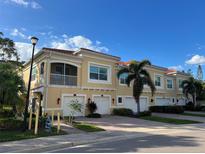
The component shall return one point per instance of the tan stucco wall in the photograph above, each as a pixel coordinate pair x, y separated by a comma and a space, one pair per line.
53, 92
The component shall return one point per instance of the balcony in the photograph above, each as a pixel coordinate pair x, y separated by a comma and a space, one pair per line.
66, 80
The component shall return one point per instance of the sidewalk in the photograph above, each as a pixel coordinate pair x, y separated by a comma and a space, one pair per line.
195, 112
50, 143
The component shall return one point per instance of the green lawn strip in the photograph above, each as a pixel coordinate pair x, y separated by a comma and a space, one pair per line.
19, 135
194, 114
87, 127
169, 120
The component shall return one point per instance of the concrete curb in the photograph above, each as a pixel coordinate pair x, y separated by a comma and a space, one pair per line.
53, 147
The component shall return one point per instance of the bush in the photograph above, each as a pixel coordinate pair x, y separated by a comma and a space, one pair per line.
42, 121
6, 113
122, 112
144, 113
190, 107
167, 109
10, 124
92, 107
94, 115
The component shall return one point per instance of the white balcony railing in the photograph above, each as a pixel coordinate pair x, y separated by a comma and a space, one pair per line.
59, 79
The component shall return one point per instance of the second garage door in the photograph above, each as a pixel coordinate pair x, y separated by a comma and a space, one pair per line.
162, 101
130, 103
103, 104
181, 101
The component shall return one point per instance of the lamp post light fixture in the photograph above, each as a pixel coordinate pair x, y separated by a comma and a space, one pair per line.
34, 41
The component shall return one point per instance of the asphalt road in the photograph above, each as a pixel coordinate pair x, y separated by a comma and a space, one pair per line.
193, 141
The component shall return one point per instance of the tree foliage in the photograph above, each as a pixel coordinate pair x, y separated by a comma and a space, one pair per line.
194, 88
7, 49
139, 76
199, 73
92, 107
12, 86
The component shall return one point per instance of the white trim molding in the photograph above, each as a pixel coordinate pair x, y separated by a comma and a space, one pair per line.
109, 73
161, 80
119, 104
171, 79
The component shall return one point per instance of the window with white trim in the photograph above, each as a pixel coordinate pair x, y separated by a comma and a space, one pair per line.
158, 81
99, 73
33, 75
123, 78
169, 84
119, 100
180, 83
42, 68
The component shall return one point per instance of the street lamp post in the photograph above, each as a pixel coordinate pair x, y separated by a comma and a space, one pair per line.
34, 40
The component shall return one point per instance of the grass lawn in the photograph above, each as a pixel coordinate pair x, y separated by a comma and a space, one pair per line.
193, 114
19, 135
169, 120
87, 127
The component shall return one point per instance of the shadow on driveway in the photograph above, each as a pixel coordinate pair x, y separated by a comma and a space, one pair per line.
136, 144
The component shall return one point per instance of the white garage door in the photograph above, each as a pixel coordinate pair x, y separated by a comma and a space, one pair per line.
162, 101
103, 104
181, 101
130, 103
68, 100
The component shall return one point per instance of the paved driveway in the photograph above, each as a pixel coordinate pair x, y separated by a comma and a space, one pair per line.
132, 125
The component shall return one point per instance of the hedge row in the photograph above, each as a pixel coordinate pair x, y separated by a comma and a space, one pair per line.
167, 109
129, 112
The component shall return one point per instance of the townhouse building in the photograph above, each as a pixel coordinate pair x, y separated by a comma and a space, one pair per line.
61, 76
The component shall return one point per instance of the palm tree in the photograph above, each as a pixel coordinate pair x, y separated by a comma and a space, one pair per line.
140, 77
192, 87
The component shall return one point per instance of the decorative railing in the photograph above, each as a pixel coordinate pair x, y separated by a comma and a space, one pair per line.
59, 79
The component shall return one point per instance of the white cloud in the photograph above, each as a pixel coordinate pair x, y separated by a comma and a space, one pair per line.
24, 50
20, 2
77, 42
26, 3
62, 42
35, 5
178, 67
196, 59
16, 32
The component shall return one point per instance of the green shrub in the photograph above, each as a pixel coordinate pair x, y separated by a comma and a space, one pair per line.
190, 107
6, 113
92, 107
10, 124
167, 109
144, 113
94, 115
122, 112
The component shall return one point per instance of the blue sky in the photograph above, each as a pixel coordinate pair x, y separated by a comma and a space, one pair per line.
170, 33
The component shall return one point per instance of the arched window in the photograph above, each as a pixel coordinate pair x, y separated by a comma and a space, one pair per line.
63, 74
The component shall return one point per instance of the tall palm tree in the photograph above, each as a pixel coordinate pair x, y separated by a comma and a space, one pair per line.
192, 87
140, 77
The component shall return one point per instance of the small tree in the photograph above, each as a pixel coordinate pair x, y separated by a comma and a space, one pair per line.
92, 107
75, 107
